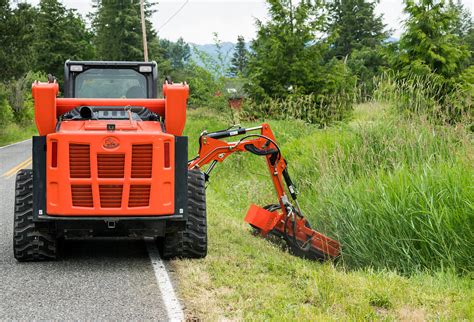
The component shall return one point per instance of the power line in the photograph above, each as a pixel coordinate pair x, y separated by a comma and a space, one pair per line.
173, 15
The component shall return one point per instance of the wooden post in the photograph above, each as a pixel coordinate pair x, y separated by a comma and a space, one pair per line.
145, 45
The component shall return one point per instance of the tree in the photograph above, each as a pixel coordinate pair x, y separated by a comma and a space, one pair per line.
240, 58
353, 24
284, 54
17, 37
464, 27
60, 34
429, 44
178, 53
117, 28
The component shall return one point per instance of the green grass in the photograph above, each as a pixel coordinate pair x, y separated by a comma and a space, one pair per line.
13, 132
398, 195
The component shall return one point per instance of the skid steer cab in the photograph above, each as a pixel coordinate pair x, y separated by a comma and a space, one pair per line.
109, 160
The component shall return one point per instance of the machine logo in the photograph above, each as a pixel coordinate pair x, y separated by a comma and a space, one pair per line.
111, 143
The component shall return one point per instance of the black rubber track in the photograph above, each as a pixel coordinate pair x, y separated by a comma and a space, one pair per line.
191, 242
30, 243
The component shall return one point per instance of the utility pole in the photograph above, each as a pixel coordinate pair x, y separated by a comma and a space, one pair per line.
145, 45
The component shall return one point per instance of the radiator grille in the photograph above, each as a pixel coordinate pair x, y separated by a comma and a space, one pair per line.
79, 161
110, 196
139, 196
111, 165
82, 196
142, 155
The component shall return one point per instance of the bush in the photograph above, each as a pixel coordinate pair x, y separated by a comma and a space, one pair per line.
20, 98
328, 98
6, 113
303, 107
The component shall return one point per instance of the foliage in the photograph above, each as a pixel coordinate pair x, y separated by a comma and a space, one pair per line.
178, 53
428, 45
242, 272
6, 113
60, 34
17, 38
357, 35
20, 97
117, 31
240, 58
367, 64
353, 25
283, 54
428, 94
286, 61
208, 83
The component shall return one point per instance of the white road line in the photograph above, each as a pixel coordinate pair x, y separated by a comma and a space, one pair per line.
172, 305
6, 146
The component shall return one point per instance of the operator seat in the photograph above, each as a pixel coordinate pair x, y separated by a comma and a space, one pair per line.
135, 92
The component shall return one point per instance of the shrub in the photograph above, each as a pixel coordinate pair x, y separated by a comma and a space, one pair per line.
6, 113
20, 98
309, 108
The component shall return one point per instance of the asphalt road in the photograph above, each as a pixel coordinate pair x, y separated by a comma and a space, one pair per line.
94, 279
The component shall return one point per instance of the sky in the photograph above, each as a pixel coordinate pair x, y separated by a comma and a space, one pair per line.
196, 20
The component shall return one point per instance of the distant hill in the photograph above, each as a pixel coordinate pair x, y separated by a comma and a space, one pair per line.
211, 50
228, 50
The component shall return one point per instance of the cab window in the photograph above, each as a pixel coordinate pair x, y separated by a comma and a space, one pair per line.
110, 83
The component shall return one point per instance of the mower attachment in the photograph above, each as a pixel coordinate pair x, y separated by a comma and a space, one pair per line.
285, 219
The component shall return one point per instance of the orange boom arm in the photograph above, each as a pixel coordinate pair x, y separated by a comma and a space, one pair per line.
284, 219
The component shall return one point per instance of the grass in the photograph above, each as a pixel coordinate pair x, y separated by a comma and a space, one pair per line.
13, 132
397, 193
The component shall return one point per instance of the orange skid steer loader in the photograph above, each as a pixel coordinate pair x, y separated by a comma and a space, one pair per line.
110, 160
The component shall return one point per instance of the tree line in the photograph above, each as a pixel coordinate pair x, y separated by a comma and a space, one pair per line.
322, 55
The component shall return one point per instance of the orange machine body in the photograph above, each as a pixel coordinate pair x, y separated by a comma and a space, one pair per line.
93, 172
110, 167
48, 107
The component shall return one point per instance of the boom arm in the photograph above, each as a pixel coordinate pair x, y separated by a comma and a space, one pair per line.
284, 219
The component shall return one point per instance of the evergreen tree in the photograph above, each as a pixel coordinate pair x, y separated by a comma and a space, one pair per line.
429, 44
464, 27
240, 58
118, 34
16, 38
280, 57
353, 24
178, 53
60, 34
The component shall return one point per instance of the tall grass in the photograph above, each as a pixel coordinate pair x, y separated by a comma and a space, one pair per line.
441, 99
314, 109
396, 192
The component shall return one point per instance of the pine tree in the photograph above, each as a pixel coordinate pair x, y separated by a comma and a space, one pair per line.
429, 44
353, 24
281, 57
60, 34
118, 34
16, 39
240, 58
178, 53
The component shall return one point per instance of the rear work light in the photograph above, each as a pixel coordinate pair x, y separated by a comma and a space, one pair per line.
145, 69
76, 68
